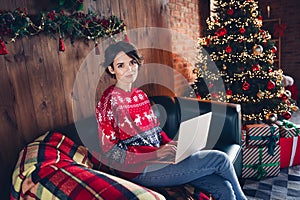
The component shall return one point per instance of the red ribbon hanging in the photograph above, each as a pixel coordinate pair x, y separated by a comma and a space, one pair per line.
279, 30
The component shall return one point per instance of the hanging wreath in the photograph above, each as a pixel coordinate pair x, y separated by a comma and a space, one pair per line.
77, 25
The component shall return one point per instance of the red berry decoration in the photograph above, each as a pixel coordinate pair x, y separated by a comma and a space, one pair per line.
228, 49
271, 85
270, 70
230, 11
210, 85
246, 86
286, 115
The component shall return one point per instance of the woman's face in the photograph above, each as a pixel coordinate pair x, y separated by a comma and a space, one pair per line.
125, 68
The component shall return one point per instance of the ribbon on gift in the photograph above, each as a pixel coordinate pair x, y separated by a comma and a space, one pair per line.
287, 126
290, 125
294, 148
272, 140
259, 167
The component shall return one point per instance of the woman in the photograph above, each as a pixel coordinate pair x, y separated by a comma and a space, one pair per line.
130, 136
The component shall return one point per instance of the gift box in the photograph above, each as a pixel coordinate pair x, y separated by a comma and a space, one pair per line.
288, 129
258, 163
261, 135
290, 151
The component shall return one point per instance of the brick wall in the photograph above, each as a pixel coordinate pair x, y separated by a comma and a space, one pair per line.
288, 12
185, 21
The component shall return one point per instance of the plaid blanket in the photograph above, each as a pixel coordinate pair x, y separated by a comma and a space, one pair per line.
54, 167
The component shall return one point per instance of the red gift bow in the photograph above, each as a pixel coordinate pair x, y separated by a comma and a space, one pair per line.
279, 30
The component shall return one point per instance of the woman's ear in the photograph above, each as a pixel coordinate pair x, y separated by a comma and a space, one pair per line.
111, 69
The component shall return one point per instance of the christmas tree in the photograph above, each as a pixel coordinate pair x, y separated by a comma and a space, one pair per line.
236, 64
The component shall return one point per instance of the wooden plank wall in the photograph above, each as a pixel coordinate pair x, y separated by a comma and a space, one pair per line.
36, 81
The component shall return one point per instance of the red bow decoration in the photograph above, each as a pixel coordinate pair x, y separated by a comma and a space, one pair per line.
279, 30
3, 50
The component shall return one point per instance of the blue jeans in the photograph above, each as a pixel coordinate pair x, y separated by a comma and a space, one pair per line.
209, 170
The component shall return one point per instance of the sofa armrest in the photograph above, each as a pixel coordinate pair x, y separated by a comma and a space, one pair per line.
225, 127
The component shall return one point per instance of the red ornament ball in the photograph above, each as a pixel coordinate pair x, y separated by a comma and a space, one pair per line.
221, 32
286, 115
208, 41
274, 49
284, 97
228, 49
271, 85
242, 30
256, 67
246, 86
230, 11
228, 93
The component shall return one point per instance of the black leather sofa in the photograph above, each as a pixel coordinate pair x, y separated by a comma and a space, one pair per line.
224, 132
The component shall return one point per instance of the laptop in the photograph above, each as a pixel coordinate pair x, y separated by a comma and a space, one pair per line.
192, 137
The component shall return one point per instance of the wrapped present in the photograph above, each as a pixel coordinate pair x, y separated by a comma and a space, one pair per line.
258, 163
288, 128
290, 151
262, 135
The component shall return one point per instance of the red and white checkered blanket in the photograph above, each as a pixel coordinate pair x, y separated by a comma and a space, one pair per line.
53, 167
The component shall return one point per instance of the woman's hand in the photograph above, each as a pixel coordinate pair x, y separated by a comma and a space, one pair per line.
167, 150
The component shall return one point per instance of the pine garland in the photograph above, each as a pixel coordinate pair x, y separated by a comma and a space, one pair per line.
57, 23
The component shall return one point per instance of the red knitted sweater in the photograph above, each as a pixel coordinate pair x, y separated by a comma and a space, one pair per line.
128, 130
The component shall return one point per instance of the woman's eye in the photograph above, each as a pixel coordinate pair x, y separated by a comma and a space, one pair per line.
133, 62
120, 65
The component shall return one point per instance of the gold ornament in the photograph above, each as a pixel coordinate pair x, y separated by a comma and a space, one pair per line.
271, 117
260, 94
254, 13
271, 61
295, 108
196, 71
257, 49
224, 67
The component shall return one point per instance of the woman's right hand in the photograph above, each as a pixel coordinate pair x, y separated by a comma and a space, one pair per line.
167, 150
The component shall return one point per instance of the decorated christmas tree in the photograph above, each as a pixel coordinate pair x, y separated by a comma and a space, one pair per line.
235, 64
